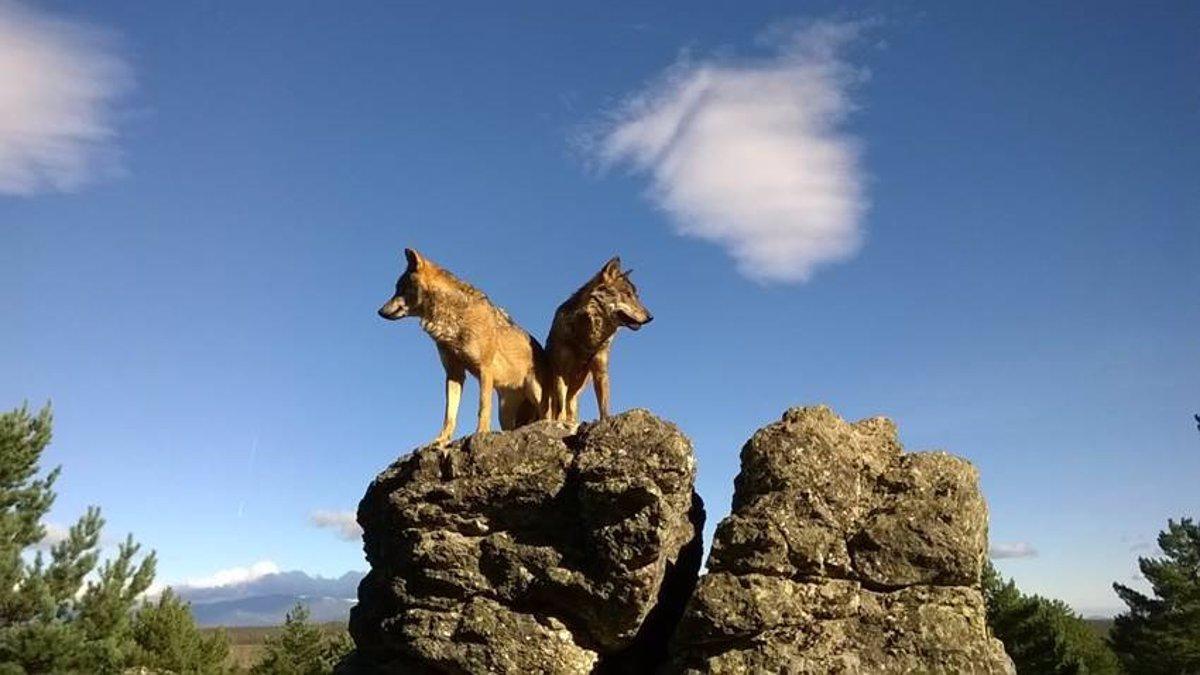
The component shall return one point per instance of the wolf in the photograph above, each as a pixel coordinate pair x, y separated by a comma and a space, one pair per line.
582, 334
472, 335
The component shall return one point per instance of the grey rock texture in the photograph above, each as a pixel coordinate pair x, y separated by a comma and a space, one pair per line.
530, 551
843, 554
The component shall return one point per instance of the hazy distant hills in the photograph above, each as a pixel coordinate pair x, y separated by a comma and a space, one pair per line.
265, 601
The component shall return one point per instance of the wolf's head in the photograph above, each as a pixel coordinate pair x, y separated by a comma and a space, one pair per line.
618, 296
408, 300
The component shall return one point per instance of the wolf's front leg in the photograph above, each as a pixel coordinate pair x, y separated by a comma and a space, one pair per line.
485, 401
574, 387
454, 384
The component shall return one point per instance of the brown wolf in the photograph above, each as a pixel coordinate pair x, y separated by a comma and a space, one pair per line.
582, 336
472, 335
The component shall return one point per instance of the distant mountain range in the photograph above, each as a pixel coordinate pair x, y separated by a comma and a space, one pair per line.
265, 601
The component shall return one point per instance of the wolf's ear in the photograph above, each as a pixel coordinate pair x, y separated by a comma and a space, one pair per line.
415, 260
612, 268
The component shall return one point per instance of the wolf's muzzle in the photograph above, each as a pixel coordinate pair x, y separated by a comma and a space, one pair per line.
635, 324
393, 310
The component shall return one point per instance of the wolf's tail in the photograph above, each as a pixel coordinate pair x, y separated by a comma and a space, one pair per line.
531, 410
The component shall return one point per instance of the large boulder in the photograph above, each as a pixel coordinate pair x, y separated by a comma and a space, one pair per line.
530, 551
843, 554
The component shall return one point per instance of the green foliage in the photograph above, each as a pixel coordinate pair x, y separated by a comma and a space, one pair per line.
1161, 634
301, 648
1042, 635
50, 622
168, 640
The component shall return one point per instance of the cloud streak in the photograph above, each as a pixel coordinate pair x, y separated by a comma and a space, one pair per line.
62, 80
343, 523
1015, 549
753, 155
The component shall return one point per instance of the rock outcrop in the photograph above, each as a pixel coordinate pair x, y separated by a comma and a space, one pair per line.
545, 551
530, 551
843, 554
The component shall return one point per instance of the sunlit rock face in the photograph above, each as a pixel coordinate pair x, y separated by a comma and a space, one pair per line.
843, 554
543, 550
530, 551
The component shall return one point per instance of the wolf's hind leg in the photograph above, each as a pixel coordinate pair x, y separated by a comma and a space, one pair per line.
558, 399
599, 368
539, 397
573, 409
485, 401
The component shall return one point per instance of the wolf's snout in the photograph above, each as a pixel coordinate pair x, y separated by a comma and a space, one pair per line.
637, 324
392, 310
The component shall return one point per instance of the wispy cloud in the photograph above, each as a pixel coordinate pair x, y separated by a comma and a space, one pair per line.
1137, 542
1014, 549
753, 155
61, 79
343, 523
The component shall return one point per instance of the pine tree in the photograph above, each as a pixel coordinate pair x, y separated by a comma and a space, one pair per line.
1042, 635
50, 622
1161, 634
168, 640
301, 648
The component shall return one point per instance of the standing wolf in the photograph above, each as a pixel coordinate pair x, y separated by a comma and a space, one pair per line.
472, 335
582, 336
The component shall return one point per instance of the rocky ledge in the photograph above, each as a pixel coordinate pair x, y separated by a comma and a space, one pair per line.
545, 551
530, 551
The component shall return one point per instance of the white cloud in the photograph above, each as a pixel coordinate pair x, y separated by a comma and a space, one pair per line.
61, 79
234, 575
753, 155
1015, 549
343, 523
54, 535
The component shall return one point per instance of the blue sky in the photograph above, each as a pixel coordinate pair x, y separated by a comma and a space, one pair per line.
981, 221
